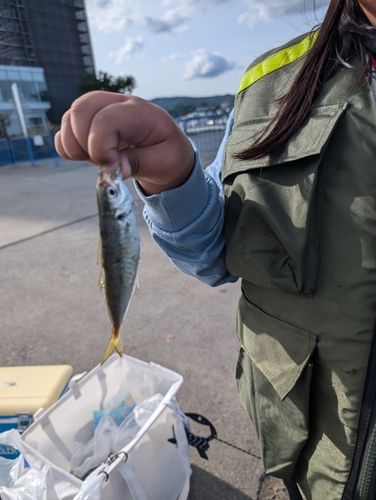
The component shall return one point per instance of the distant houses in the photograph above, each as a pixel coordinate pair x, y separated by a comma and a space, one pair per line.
203, 121
187, 107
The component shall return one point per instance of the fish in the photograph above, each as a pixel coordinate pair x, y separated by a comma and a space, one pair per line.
119, 249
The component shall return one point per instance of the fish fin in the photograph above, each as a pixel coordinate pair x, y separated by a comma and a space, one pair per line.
116, 344
99, 254
101, 280
102, 276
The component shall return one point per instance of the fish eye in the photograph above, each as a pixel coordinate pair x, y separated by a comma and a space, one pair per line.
111, 192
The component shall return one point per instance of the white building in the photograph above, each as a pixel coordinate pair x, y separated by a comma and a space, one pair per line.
32, 89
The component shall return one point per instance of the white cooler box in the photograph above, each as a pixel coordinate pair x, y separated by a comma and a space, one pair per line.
154, 465
24, 390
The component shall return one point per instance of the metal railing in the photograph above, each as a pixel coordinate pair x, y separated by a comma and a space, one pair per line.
28, 150
206, 131
6, 155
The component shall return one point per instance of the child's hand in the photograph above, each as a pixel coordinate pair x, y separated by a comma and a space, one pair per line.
109, 128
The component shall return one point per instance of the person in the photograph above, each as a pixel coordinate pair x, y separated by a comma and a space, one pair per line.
289, 207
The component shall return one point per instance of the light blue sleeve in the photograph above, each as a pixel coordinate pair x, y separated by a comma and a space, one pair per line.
187, 222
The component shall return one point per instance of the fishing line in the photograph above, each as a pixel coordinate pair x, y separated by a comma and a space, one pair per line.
237, 448
201, 443
62, 226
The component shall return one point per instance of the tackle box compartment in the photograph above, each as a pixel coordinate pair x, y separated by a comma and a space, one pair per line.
26, 389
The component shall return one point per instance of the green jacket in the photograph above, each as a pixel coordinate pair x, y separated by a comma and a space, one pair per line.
301, 231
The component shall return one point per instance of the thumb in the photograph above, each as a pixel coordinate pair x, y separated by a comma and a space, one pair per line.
159, 166
129, 162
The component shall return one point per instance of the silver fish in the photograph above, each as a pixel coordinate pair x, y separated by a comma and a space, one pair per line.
119, 249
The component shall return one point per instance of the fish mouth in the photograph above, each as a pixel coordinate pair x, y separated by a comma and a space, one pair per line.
108, 175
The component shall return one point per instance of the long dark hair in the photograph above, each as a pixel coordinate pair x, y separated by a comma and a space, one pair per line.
344, 33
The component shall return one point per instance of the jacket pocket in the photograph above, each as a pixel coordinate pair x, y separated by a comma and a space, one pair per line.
274, 205
273, 379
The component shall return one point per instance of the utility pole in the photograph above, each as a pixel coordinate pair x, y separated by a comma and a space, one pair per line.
17, 103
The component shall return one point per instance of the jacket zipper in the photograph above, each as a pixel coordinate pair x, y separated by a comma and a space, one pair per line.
361, 483
366, 489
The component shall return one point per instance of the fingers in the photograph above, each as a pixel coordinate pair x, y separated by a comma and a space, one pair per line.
159, 167
66, 144
72, 141
130, 123
129, 161
89, 124
109, 128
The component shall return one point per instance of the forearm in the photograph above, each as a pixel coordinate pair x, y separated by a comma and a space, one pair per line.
187, 223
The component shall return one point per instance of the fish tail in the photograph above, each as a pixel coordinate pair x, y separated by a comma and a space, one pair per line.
115, 343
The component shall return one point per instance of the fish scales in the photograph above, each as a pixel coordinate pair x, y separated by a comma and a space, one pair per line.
120, 256
119, 249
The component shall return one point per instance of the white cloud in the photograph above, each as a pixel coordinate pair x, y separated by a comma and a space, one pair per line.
131, 46
111, 15
189, 8
180, 12
206, 65
171, 57
171, 22
115, 15
101, 3
195, 3
267, 10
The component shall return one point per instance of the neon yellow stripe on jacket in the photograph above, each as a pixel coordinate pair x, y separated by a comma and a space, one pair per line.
277, 61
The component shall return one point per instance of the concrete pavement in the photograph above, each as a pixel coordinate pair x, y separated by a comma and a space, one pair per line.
53, 313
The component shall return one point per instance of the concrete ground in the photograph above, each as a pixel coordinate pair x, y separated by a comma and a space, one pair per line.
53, 313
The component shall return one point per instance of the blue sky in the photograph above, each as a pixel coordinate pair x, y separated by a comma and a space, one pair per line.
191, 47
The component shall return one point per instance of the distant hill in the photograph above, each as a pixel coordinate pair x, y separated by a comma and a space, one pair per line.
178, 106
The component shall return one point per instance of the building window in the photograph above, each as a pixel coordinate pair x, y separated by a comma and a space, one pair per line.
36, 122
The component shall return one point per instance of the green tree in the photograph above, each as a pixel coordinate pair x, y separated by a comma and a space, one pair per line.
104, 81
181, 109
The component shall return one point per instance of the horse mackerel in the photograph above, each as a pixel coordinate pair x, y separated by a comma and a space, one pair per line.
119, 249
